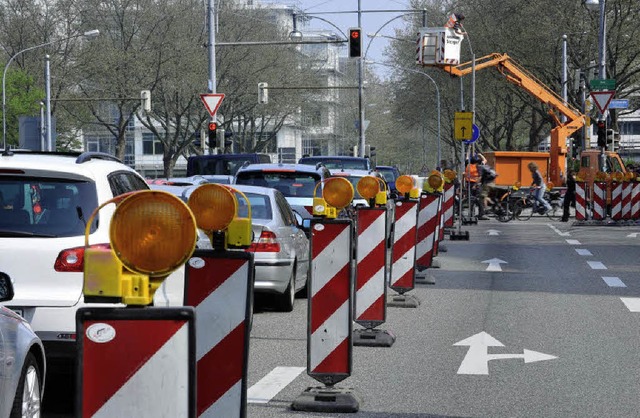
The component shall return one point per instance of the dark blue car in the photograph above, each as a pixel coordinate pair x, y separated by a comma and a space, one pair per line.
390, 174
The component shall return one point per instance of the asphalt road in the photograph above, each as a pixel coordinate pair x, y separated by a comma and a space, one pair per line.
562, 299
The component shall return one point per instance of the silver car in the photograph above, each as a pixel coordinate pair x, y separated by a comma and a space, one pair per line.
22, 362
280, 245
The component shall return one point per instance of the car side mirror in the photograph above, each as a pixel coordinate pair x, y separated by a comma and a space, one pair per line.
6, 288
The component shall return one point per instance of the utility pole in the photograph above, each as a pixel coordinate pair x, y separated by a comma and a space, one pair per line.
211, 23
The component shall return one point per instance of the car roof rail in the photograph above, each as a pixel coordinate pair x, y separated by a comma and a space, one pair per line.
88, 156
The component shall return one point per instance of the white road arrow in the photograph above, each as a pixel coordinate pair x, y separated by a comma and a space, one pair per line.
477, 359
493, 232
633, 235
494, 264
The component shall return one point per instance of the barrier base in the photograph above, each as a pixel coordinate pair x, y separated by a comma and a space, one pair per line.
370, 337
326, 399
467, 220
435, 264
442, 248
462, 236
403, 301
425, 278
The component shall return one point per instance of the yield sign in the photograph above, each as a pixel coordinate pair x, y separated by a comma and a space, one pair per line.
212, 102
602, 99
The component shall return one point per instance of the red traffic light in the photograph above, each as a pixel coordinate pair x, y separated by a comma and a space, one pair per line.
355, 33
213, 126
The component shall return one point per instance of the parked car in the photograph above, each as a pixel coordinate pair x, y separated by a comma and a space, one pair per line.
22, 361
338, 162
280, 245
296, 182
390, 174
47, 198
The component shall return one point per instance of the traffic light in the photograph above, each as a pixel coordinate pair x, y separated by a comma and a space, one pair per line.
602, 134
213, 127
263, 93
355, 43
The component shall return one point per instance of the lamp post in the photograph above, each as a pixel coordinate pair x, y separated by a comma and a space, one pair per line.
88, 34
595, 5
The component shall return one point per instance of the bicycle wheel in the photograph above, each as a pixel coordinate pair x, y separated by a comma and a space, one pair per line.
504, 213
555, 212
521, 211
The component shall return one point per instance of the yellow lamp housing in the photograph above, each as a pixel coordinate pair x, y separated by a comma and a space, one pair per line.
449, 175
239, 231
381, 196
338, 193
414, 193
152, 233
404, 184
214, 207
617, 176
368, 187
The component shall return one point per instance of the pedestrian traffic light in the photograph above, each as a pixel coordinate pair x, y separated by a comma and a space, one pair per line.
213, 127
355, 43
602, 134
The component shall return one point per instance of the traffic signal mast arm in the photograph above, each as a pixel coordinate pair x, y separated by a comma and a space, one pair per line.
517, 75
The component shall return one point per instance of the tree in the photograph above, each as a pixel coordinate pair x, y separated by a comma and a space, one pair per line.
22, 98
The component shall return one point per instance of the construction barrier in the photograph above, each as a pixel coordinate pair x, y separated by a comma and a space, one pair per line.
447, 204
439, 235
329, 331
219, 285
626, 199
581, 200
427, 226
599, 201
371, 272
136, 362
616, 200
403, 254
635, 201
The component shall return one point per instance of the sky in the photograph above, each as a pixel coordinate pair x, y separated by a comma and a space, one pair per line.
371, 21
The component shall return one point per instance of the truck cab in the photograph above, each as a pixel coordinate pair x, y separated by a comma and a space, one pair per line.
591, 163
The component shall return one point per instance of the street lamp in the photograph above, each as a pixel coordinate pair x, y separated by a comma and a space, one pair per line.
89, 34
595, 5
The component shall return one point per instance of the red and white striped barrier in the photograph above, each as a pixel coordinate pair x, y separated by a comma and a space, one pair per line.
329, 342
439, 230
635, 201
626, 199
219, 285
616, 200
403, 253
371, 289
581, 201
447, 204
136, 362
427, 227
599, 200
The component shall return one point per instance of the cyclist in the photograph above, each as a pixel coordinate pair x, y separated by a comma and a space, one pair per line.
487, 184
538, 184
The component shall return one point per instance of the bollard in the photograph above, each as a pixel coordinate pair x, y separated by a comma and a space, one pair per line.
599, 200
581, 201
371, 272
426, 234
329, 326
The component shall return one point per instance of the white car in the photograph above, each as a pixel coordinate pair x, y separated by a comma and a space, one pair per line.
45, 201
280, 246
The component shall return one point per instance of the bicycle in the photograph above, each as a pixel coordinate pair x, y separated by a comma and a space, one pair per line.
502, 206
523, 207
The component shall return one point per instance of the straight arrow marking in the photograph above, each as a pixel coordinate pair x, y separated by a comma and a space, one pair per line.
633, 235
493, 232
494, 264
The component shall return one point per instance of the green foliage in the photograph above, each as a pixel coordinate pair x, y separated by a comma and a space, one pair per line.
22, 99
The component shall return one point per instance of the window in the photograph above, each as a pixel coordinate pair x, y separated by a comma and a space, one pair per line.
260, 206
151, 145
124, 182
287, 155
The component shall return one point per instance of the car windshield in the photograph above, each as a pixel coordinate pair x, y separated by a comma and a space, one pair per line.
45, 207
388, 174
289, 183
260, 206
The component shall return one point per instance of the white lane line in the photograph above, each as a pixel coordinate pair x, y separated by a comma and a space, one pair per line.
583, 251
633, 304
269, 386
559, 232
596, 265
613, 281
573, 242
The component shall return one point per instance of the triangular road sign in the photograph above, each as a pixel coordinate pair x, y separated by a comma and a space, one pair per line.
212, 102
602, 99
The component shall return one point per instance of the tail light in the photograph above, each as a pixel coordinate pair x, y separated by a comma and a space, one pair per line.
267, 243
71, 260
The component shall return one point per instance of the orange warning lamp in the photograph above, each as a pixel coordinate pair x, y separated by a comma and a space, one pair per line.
434, 182
617, 176
368, 187
338, 192
214, 207
449, 175
152, 233
404, 184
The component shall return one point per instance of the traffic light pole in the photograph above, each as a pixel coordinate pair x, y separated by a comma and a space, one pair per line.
361, 129
211, 18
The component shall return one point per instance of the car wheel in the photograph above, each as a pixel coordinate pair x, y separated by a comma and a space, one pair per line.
28, 399
285, 301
